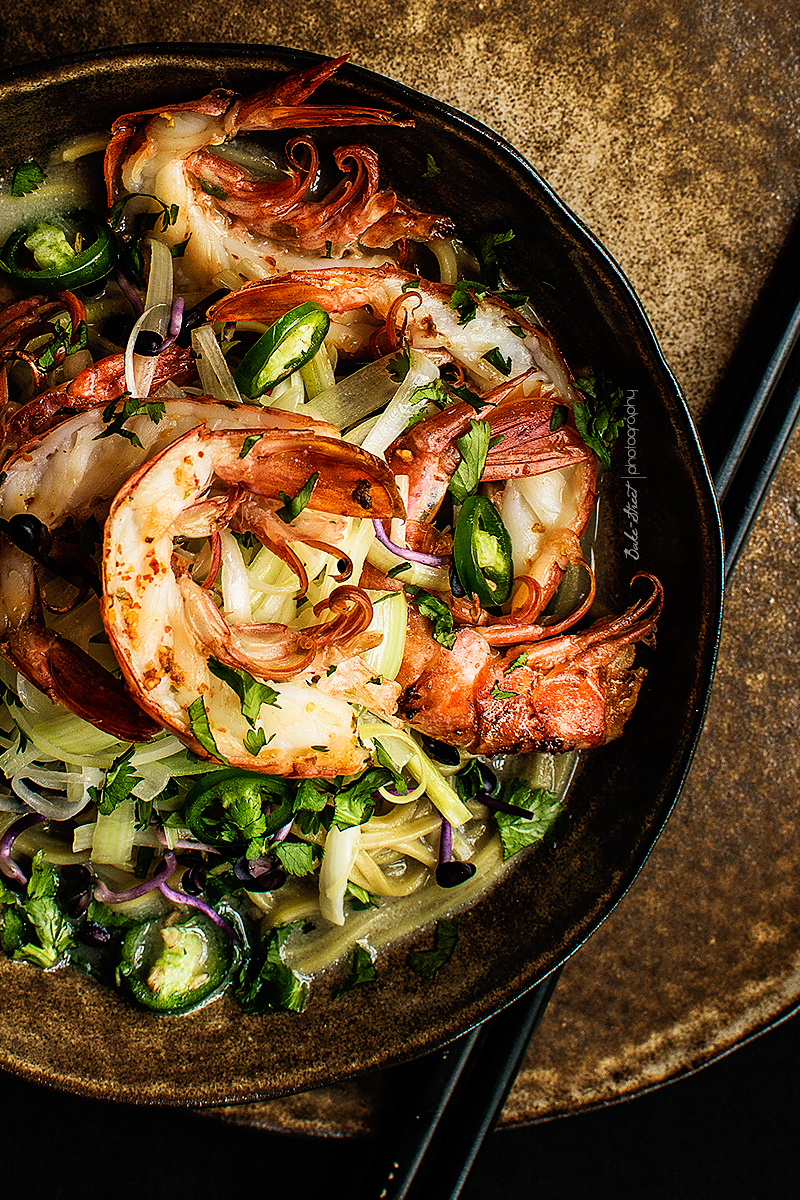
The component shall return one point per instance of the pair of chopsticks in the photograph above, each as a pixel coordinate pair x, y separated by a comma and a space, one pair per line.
754, 413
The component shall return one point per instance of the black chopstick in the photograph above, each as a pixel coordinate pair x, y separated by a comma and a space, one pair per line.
445, 1120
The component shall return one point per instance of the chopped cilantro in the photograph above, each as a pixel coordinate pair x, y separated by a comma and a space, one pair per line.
432, 169
520, 661
254, 741
469, 397
265, 983
118, 785
248, 443
43, 922
487, 254
212, 189
473, 448
198, 721
558, 416
436, 611
294, 505
428, 963
517, 832
355, 803
360, 898
399, 365
114, 417
595, 417
495, 359
296, 858
362, 970
252, 692
468, 293
179, 249
498, 693
411, 284
28, 176
62, 339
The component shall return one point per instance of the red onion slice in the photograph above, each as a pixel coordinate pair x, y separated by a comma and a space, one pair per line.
418, 556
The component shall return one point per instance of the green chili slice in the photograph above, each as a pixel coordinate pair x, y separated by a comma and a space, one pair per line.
226, 808
482, 552
172, 966
70, 251
286, 346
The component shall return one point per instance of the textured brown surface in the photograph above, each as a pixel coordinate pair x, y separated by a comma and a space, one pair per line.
671, 129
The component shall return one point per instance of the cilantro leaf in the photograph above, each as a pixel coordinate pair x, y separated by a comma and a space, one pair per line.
359, 897
248, 443
495, 359
432, 169
264, 982
558, 416
468, 293
212, 189
118, 784
520, 661
62, 339
198, 721
310, 802
595, 417
428, 963
498, 693
473, 448
399, 365
294, 505
49, 926
436, 611
469, 397
114, 418
254, 741
411, 284
28, 176
252, 692
362, 970
487, 255
354, 804
517, 832
296, 858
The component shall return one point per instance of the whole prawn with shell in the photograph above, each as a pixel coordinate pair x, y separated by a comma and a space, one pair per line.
206, 480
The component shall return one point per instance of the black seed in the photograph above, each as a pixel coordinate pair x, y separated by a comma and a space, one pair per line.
451, 874
148, 343
456, 586
441, 751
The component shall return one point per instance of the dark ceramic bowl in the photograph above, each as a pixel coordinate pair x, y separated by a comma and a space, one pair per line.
61, 1028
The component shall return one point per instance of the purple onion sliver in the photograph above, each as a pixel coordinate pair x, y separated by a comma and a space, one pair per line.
446, 842
282, 833
106, 896
129, 291
501, 806
7, 865
427, 560
196, 902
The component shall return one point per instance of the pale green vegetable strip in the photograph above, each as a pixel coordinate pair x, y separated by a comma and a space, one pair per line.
113, 836
318, 374
406, 753
389, 617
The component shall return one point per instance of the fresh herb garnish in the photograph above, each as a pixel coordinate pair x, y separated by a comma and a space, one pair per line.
360, 898
265, 983
495, 359
468, 293
296, 858
520, 661
118, 784
411, 284
558, 416
428, 963
487, 255
517, 832
436, 611
63, 338
198, 721
399, 365
212, 189
473, 448
362, 970
294, 505
355, 804
36, 930
252, 692
115, 417
432, 169
28, 176
498, 694
469, 397
595, 417
248, 443
254, 741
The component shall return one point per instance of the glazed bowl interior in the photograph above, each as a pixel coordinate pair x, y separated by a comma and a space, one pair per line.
64, 1029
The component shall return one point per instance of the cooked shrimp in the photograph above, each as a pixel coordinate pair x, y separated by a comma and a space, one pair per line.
564, 693
164, 627
239, 222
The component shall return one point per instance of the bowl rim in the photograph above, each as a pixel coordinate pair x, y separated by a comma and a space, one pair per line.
32, 76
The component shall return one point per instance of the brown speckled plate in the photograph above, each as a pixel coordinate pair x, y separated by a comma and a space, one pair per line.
63, 1029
